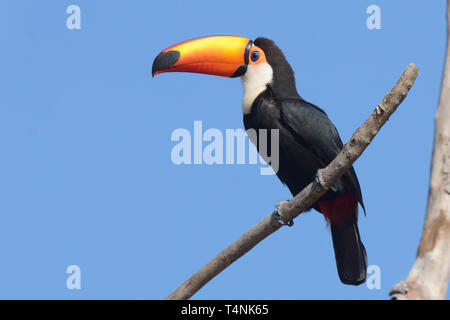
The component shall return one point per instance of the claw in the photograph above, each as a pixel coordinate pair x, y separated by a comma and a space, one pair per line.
320, 181
277, 215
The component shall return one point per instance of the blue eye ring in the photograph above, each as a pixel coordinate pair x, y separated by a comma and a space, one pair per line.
254, 56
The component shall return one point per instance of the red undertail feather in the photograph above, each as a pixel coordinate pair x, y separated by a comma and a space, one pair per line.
340, 209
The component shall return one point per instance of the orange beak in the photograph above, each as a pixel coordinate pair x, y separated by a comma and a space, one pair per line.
225, 56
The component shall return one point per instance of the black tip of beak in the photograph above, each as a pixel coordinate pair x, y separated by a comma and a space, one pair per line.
164, 60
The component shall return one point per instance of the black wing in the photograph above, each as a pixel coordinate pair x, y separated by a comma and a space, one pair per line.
312, 128
315, 131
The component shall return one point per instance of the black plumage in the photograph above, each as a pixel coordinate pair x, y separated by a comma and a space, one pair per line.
308, 141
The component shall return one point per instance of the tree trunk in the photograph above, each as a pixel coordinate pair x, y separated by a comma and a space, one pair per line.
428, 278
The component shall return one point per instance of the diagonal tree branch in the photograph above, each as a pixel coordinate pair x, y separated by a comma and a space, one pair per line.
429, 276
289, 210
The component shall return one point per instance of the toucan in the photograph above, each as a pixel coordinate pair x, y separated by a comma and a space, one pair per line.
308, 140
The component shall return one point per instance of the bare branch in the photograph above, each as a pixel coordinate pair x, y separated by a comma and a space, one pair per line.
429, 276
308, 196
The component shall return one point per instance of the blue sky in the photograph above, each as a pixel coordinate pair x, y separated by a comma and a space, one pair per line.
86, 176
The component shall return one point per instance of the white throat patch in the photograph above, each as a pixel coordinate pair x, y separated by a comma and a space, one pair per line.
255, 81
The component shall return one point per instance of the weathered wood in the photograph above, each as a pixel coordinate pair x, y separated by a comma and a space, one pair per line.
429, 276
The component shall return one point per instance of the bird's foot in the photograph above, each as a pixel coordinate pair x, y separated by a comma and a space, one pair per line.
319, 180
277, 216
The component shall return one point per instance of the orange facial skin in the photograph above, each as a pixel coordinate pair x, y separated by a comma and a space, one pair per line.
261, 55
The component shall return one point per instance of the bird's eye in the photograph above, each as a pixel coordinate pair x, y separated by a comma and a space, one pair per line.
254, 56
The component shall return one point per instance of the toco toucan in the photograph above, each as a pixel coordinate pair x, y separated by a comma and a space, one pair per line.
308, 140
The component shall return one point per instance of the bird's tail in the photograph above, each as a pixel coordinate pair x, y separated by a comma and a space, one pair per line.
351, 258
